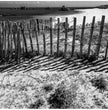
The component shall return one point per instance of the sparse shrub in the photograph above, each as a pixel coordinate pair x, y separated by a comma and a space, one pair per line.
37, 104
62, 98
99, 83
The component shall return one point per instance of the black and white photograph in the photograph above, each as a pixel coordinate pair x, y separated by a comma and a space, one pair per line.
53, 54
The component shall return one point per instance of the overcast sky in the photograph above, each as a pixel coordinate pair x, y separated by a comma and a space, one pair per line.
51, 3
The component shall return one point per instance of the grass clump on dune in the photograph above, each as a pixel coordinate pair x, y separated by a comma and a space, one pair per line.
100, 83
62, 98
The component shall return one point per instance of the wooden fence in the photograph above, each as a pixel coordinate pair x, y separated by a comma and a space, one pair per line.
14, 38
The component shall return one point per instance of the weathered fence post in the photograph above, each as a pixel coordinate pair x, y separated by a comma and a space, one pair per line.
35, 30
37, 24
11, 41
44, 42
5, 30
51, 41
22, 31
106, 51
91, 34
74, 32
100, 36
8, 37
58, 35
1, 40
16, 41
18, 45
82, 36
31, 43
15, 38
66, 30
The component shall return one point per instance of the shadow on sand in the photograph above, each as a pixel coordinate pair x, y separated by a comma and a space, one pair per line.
52, 63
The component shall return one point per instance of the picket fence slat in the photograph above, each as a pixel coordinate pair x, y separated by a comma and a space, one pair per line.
74, 32
82, 36
51, 40
18, 46
2, 39
58, 35
24, 38
100, 36
38, 25
31, 43
8, 37
44, 41
91, 34
66, 30
36, 35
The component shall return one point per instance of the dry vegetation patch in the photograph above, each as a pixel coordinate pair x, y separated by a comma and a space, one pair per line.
44, 89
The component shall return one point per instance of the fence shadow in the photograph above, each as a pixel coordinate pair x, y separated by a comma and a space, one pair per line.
52, 63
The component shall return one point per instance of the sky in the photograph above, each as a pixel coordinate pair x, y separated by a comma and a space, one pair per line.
51, 3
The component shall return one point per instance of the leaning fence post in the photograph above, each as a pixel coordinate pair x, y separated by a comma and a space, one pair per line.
106, 51
51, 41
66, 30
82, 35
74, 32
38, 27
5, 30
100, 36
35, 30
58, 35
31, 43
18, 45
91, 34
8, 37
15, 38
11, 41
44, 42
25, 43
1, 40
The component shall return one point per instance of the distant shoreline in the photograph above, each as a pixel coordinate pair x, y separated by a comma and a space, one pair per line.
26, 14
7, 11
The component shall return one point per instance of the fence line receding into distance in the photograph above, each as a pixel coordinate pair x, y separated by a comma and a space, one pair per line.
19, 40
